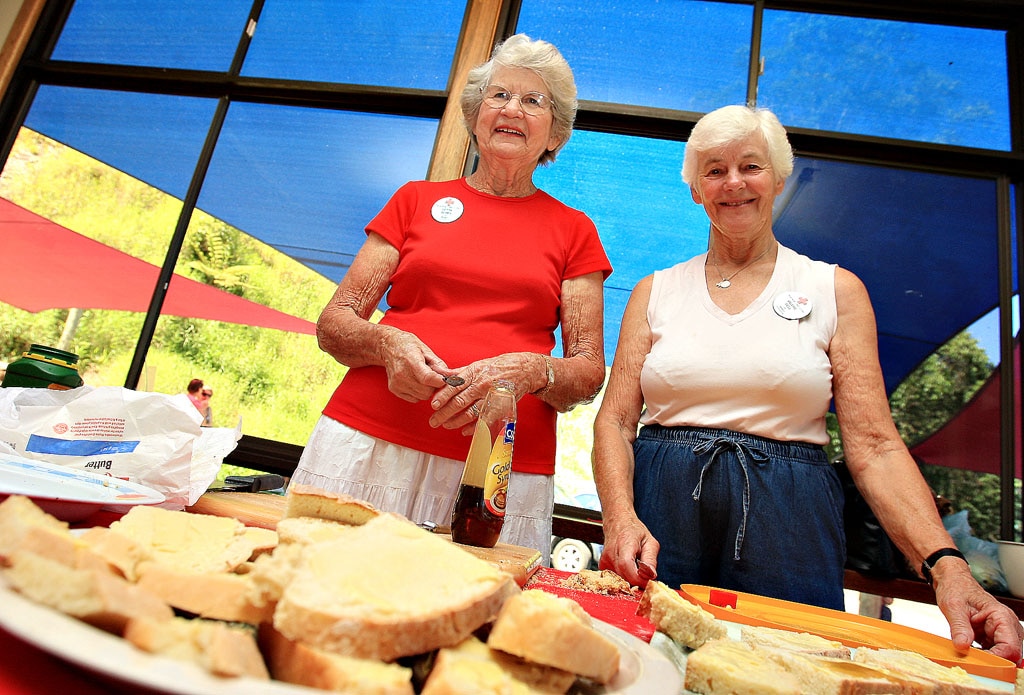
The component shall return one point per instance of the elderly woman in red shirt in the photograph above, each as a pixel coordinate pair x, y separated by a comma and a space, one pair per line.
480, 272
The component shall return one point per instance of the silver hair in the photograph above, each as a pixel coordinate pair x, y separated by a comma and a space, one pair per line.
520, 51
731, 124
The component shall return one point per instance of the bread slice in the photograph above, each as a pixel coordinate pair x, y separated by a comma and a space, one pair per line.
724, 666
449, 675
293, 662
215, 595
685, 622
120, 551
194, 542
945, 680
18, 514
820, 675
458, 672
305, 530
99, 598
554, 631
386, 589
217, 647
306, 500
801, 642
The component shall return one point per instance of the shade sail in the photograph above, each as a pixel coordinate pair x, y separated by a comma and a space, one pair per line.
970, 441
46, 266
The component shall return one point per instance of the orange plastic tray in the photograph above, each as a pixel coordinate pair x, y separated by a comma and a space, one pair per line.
849, 628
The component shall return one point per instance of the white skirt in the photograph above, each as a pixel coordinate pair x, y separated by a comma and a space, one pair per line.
419, 486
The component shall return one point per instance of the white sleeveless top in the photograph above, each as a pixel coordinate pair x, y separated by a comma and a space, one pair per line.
756, 372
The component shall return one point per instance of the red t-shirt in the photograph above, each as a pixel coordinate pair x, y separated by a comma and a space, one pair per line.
478, 275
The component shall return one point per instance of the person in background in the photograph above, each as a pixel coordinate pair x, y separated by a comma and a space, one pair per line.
729, 362
479, 271
200, 397
207, 394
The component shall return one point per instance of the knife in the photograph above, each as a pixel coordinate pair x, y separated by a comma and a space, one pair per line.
249, 483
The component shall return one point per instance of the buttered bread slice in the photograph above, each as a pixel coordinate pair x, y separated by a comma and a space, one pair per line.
725, 666
388, 589
685, 622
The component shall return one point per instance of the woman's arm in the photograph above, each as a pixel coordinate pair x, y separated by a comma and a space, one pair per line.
890, 481
345, 332
627, 541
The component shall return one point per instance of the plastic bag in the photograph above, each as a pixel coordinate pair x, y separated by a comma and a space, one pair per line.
153, 439
982, 555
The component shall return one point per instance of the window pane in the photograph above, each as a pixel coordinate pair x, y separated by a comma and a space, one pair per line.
189, 34
396, 44
153, 137
922, 82
684, 55
307, 181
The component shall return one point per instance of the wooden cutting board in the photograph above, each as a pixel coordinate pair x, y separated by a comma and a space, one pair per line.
265, 510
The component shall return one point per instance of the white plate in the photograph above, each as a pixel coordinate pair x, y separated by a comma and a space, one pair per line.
643, 670
67, 493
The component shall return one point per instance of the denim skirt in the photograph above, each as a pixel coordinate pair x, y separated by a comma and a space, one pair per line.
742, 512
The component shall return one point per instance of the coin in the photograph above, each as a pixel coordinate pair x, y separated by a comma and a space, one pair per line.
454, 380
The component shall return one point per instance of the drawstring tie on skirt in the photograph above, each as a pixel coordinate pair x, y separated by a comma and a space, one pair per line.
743, 451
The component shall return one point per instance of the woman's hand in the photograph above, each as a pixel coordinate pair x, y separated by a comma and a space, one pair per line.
414, 371
459, 406
973, 614
629, 549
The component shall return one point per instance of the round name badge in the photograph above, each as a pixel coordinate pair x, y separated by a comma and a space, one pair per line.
447, 209
792, 305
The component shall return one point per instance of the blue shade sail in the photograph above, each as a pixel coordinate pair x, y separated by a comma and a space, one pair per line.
685, 55
186, 34
153, 137
923, 82
307, 181
924, 244
395, 44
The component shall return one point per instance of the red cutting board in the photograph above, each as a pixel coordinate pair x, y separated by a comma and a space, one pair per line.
619, 611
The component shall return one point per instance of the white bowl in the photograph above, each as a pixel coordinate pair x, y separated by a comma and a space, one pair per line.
1011, 559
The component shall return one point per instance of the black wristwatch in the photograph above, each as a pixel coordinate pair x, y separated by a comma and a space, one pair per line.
929, 562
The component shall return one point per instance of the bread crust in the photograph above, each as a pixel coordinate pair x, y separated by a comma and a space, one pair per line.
221, 649
388, 589
552, 630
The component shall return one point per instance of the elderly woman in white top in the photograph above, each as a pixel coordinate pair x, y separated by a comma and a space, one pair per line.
729, 361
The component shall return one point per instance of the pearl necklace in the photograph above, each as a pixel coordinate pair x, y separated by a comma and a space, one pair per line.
726, 282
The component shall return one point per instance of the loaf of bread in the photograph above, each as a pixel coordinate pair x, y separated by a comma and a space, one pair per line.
387, 589
94, 596
293, 662
944, 680
685, 622
219, 648
469, 666
731, 667
306, 500
19, 514
801, 642
555, 631
218, 596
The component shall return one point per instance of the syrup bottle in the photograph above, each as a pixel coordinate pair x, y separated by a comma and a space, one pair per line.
480, 505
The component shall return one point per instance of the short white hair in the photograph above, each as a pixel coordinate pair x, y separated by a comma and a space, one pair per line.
520, 51
733, 123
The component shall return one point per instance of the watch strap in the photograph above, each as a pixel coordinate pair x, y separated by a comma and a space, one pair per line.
929, 562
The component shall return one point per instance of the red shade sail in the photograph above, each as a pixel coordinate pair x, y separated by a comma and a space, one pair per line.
46, 266
970, 441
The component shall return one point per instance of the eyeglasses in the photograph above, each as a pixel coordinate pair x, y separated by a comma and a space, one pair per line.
532, 103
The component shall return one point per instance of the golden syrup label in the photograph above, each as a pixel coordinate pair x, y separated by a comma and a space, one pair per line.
499, 469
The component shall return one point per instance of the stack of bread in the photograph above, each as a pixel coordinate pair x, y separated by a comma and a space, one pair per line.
770, 661
340, 597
